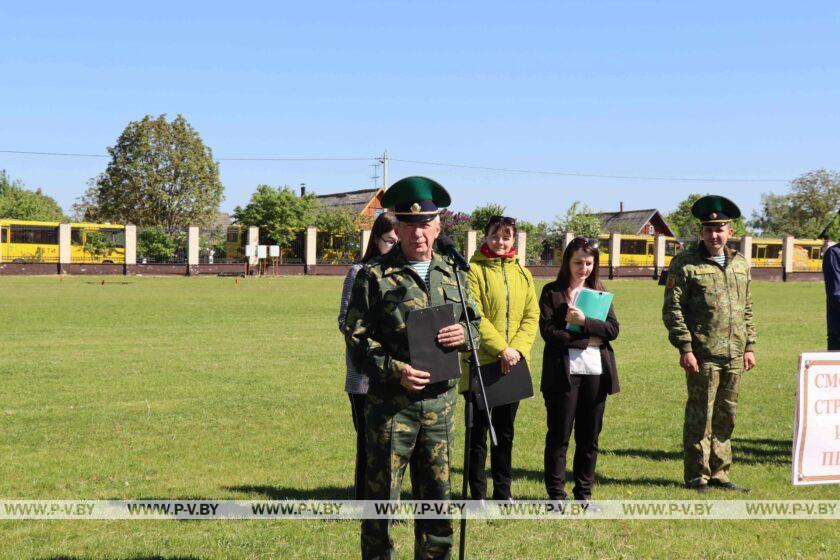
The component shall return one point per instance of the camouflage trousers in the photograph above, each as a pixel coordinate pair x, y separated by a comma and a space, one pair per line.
402, 432
710, 419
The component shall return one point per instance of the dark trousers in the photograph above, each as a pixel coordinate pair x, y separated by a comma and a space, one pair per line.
503, 418
833, 342
582, 407
357, 405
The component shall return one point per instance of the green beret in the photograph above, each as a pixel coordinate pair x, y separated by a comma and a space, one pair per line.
714, 209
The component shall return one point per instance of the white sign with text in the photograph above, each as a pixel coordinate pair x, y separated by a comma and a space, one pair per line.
816, 429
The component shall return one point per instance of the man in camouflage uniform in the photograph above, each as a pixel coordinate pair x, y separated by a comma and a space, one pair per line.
410, 421
708, 314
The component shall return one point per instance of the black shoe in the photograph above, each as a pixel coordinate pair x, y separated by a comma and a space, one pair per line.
699, 487
731, 486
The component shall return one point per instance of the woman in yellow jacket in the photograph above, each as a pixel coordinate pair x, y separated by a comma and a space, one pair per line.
504, 292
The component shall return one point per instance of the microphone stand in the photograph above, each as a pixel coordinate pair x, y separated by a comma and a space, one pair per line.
468, 411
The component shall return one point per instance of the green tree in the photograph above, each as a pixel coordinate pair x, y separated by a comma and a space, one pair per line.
686, 226
833, 230
86, 207
537, 237
337, 220
579, 220
279, 211
803, 212
19, 203
339, 229
160, 174
455, 225
98, 244
482, 214
155, 244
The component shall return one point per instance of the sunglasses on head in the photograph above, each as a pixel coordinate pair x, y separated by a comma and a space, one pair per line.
585, 242
502, 219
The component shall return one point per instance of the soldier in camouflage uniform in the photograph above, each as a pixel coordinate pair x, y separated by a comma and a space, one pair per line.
409, 420
708, 314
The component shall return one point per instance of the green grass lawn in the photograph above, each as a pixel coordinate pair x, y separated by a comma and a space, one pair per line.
201, 388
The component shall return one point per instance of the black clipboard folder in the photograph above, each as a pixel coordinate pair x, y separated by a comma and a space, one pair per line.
426, 354
505, 389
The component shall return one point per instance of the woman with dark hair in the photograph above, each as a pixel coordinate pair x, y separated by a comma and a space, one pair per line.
383, 237
578, 371
504, 292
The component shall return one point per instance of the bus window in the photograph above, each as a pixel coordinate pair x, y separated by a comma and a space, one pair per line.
115, 236
759, 251
670, 248
633, 246
40, 235
3, 235
815, 253
773, 251
77, 237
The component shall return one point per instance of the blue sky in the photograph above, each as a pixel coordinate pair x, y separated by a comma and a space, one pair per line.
733, 90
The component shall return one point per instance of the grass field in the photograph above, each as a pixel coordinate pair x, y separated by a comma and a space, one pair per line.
202, 388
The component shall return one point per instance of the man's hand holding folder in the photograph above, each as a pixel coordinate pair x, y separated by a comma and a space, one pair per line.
449, 337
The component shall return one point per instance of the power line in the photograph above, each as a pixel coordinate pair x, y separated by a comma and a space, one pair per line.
51, 154
591, 175
219, 159
452, 165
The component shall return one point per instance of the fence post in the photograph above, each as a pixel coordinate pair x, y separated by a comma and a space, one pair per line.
63, 247
787, 257
130, 248
615, 254
192, 251
253, 242
310, 249
658, 254
521, 247
365, 240
746, 248
472, 244
567, 238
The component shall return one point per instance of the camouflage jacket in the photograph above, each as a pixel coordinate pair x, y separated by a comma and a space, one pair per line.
386, 290
708, 308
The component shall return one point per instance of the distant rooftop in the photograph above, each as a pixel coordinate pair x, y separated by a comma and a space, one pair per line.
632, 220
357, 200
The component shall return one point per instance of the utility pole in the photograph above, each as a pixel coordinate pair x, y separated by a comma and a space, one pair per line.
375, 175
384, 161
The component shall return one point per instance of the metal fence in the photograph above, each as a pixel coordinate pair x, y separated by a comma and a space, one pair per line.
337, 249
292, 245
222, 244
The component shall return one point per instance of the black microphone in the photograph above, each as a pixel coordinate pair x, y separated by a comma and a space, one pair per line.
447, 247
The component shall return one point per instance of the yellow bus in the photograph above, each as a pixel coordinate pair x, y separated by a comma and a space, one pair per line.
767, 253
23, 241
235, 241
636, 251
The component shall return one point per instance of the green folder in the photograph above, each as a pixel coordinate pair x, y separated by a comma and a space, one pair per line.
593, 303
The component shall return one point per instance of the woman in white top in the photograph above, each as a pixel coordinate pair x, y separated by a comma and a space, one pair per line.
578, 371
382, 239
